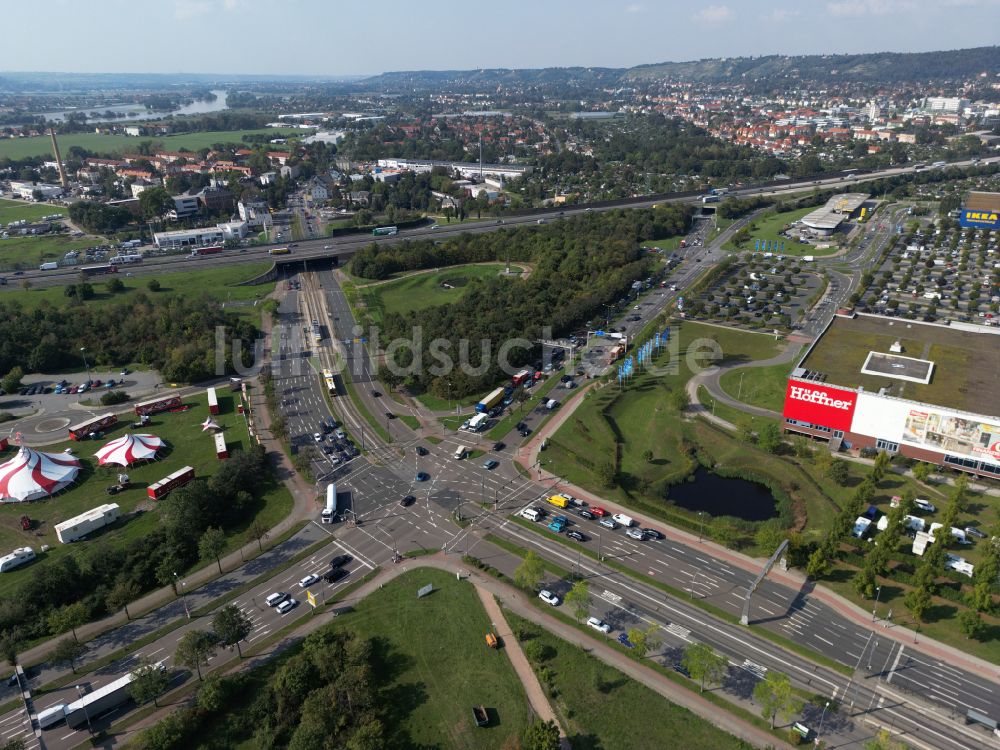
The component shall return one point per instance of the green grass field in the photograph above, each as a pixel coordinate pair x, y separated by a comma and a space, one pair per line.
759, 386
215, 283
767, 228
187, 445
423, 290
667, 244
17, 210
434, 653
21, 148
600, 707
28, 253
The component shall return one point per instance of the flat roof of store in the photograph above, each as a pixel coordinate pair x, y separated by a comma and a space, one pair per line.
838, 208
978, 201
965, 362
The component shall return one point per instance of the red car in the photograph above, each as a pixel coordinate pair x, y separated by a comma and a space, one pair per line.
598, 511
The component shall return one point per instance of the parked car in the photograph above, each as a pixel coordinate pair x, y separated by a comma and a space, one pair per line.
973, 531
422, 476
335, 574
421, 450
499, 446
548, 597
578, 536
598, 624
276, 598
308, 581
287, 606
407, 501
623, 639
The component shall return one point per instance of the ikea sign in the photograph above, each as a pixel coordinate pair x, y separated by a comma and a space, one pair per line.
980, 219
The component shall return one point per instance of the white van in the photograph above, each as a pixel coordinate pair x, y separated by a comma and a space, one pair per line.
275, 599
551, 404
531, 514
624, 520
460, 452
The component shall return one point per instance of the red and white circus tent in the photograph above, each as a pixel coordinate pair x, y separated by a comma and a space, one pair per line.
32, 474
129, 449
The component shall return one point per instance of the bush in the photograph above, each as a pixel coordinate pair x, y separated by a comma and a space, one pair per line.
114, 397
153, 285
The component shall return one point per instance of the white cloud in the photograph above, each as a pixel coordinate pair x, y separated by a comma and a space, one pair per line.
186, 9
714, 14
230, 4
635, 8
856, 8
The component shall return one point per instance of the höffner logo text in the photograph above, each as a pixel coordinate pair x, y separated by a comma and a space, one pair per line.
808, 395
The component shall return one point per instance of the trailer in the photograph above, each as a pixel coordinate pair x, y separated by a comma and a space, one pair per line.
100, 701
92, 426
18, 557
330, 510
159, 490
221, 452
206, 250
154, 406
213, 401
491, 400
79, 526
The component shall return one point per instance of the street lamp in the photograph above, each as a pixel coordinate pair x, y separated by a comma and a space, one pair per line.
79, 692
822, 717
83, 351
701, 528
878, 592
181, 595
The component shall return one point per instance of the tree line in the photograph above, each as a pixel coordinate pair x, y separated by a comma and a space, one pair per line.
173, 334
578, 266
103, 576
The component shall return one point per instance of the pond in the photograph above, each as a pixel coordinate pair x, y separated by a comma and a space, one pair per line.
719, 496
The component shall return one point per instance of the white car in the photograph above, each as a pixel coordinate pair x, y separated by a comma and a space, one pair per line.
598, 624
286, 606
308, 581
318, 437
548, 597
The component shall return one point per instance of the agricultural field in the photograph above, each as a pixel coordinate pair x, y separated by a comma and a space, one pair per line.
187, 445
217, 283
18, 210
21, 148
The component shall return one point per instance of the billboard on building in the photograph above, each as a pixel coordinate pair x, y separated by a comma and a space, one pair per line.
927, 427
978, 219
818, 404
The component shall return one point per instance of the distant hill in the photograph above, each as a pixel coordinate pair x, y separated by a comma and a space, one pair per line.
889, 67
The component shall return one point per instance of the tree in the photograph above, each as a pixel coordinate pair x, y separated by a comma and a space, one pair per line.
155, 203
864, 582
884, 741
541, 735
232, 626
16, 743
10, 645
257, 531
769, 437
114, 285
917, 600
922, 471
69, 617
971, 623
838, 471
124, 591
153, 285
12, 380
529, 573
578, 597
212, 544
149, 681
606, 474
68, 651
819, 563
195, 649
647, 456
703, 664
643, 640
774, 694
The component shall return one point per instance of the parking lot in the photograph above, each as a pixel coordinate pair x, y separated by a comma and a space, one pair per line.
939, 276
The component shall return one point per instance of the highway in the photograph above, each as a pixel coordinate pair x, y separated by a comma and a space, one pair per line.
344, 247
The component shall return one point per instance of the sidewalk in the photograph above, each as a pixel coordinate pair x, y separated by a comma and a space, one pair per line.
529, 680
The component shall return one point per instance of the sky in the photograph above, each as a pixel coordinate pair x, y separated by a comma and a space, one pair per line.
352, 37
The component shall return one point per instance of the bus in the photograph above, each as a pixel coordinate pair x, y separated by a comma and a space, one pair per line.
331, 385
385, 231
99, 270
279, 251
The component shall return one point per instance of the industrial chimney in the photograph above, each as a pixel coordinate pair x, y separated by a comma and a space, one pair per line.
59, 165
